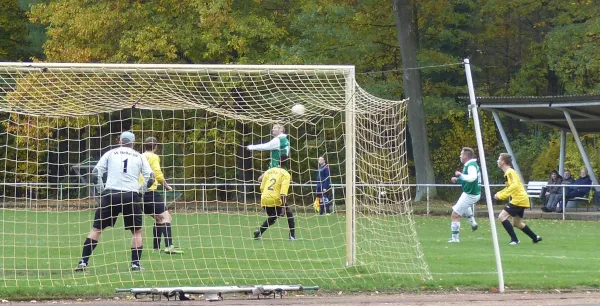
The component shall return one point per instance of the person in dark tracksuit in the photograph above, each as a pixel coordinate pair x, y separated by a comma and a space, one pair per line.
323, 186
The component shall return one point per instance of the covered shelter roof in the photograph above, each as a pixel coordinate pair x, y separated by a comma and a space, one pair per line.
584, 110
571, 113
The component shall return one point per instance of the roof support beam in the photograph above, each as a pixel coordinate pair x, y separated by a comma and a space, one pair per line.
584, 155
574, 120
563, 149
507, 146
502, 111
512, 106
580, 113
574, 104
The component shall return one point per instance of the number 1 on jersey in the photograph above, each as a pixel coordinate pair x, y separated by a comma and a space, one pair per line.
125, 165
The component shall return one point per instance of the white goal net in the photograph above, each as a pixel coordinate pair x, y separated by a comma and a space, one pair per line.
56, 120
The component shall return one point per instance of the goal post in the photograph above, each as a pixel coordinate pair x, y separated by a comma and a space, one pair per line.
57, 118
350, 171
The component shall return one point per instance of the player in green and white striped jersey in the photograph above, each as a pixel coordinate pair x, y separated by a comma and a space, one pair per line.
470, 180
279, 145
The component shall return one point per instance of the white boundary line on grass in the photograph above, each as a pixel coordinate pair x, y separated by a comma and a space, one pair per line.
511, 272
560, 257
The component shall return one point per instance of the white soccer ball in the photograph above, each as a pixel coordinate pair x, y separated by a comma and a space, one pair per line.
298, 109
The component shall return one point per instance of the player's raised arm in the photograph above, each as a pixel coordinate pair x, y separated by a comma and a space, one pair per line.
274, 144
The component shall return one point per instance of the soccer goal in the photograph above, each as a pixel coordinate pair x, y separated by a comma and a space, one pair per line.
56, 120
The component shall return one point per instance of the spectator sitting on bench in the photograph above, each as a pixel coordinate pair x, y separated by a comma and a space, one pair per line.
574, 192
567, 179
551, 193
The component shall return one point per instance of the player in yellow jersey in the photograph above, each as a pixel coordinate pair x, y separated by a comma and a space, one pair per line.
518, 201
154, 203
274, 190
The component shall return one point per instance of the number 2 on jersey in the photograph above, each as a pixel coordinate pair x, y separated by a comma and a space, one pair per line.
125, 165
273, 181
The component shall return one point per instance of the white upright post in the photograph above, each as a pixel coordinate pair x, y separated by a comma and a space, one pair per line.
486, 181
350, 171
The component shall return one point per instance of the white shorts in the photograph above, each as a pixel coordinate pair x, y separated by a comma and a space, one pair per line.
464, 202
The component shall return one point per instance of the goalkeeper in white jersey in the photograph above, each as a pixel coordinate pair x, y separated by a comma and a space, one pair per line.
120, 194
470, 180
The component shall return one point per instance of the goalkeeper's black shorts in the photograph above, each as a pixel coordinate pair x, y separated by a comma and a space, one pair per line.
115, 202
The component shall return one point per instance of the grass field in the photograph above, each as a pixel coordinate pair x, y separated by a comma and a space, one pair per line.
38, 261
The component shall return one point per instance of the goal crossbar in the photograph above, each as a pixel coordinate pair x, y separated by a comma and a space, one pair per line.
87, 67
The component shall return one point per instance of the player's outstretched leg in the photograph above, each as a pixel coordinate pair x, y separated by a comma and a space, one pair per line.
455, 231
157, 232
503, 218
103, 217
170, 249
263, 228
291, 222
457, 210
519, 223
474, 225
136, 249
88, 247
163, 224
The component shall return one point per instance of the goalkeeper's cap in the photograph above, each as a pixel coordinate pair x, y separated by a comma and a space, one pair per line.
127, 137
151, 140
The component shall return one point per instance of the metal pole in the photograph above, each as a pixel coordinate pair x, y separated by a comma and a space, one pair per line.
486, 181
427, 189
350, 118
379, 197
245, 200
584, 155
202, 196
563, 147
564, 202
332, 200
